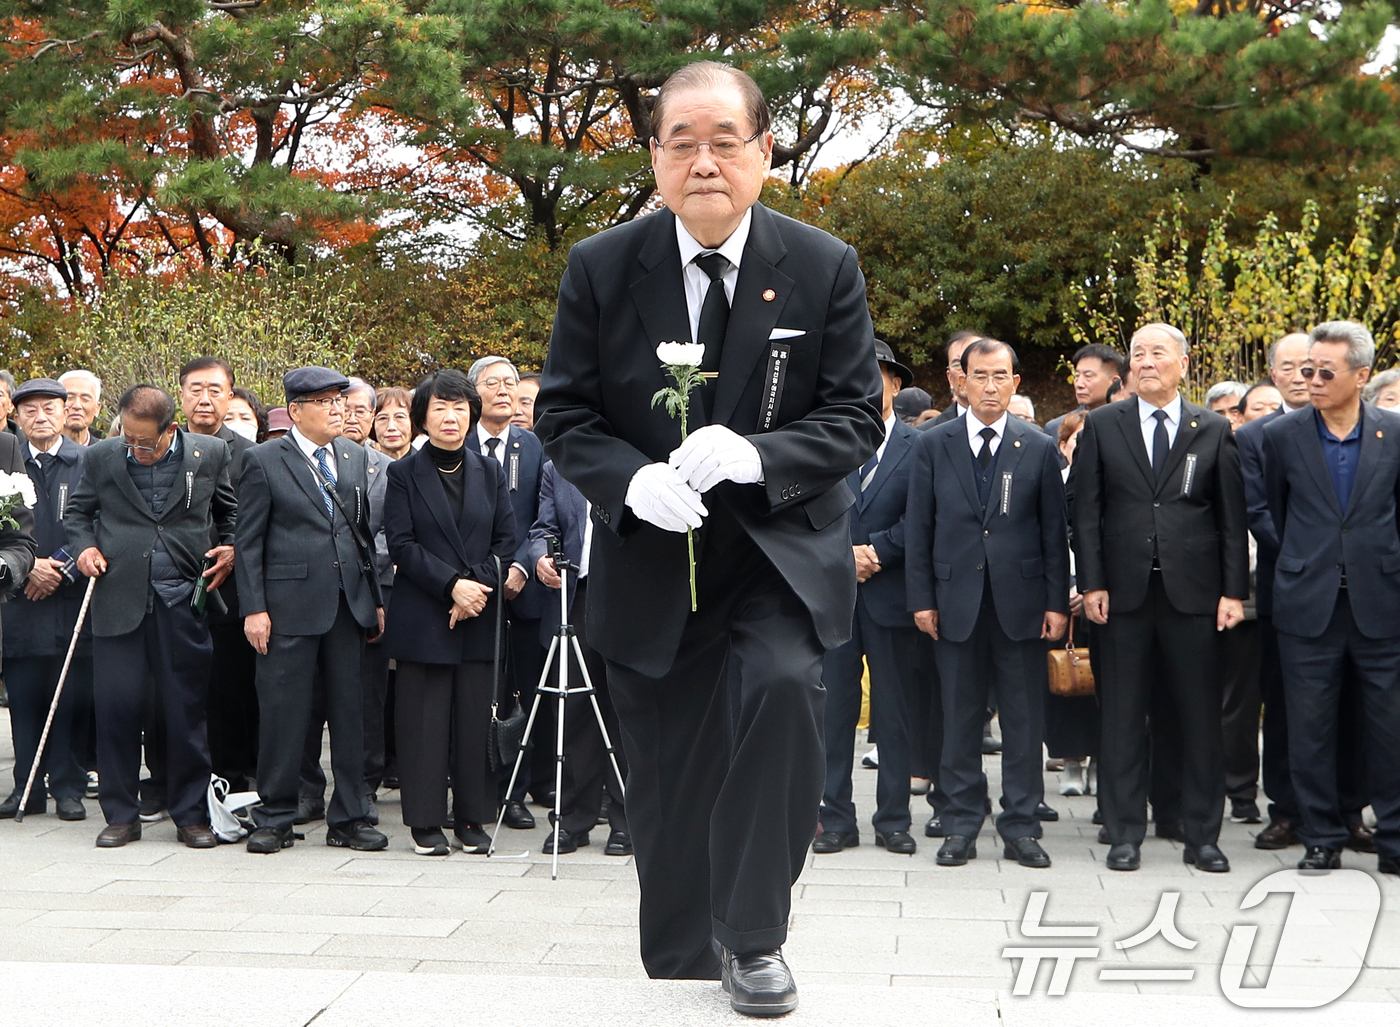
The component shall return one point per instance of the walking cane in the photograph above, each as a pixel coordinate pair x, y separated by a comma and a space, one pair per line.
57, 694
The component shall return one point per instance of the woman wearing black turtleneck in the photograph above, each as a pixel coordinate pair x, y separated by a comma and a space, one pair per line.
447, 516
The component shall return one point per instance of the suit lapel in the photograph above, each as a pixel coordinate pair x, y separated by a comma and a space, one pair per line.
128, 487
1371, 444
435, 497
1186, 431
1311, 447
660, 299
956, 444
751, 316
900, 441
344, 482
1131, 426
296, 462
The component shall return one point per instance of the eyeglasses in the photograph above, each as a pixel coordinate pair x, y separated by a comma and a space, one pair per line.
1325, 373
724, 148
498, 383
983, 378
139, 445
325, 402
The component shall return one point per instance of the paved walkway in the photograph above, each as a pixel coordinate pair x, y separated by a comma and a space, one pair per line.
380, 938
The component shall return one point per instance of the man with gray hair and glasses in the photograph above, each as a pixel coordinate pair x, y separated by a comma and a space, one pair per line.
1333, 476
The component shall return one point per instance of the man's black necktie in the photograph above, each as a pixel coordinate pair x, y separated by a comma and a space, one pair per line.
984, 455
1161, 445
491, 445
714, 312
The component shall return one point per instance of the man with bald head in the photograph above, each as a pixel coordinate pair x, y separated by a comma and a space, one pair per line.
1163, 563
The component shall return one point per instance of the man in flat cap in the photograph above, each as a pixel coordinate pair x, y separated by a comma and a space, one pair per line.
310, 597
141, 522
39, 618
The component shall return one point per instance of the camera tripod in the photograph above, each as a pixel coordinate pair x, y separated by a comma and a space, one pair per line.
565, 639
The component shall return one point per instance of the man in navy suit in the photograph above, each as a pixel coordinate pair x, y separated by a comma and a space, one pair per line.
883, 633
988, 580
1333, 476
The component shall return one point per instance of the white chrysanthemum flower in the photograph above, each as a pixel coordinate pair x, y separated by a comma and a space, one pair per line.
680, 354
18, 485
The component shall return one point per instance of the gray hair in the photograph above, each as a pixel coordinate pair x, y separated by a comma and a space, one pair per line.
1030, 403
79, 372
360, 385
711, 75
9, 381
1361, 347
1378, 383
1171, 331
474, 372
1226, 390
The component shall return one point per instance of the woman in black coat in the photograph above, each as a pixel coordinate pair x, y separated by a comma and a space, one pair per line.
447, 516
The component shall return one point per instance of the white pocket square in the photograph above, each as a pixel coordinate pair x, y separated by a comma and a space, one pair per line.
786, 333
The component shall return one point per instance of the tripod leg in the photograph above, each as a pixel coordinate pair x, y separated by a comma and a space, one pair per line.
598, 713
559, 758
524, 741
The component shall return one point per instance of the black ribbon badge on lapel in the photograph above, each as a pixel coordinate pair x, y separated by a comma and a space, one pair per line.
778, 354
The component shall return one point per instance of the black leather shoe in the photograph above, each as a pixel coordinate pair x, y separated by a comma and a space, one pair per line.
516, 816
308, 809
758, 983
898, 842
568, 841
1319, 857
8, 808
1027, 852
835, 841
1097, 818
1208, 858
1174, 830
114, 836
1387, 865
269, 839
1244, 811
956, 850
197, 836
358, 835
1360, 838
69, 808
545, 799
1048, 813
472, 838
934, 827
1124, 856
619, 844
1103, 836
990, 745
1280, 834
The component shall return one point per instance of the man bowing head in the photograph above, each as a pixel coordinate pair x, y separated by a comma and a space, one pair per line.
720, 706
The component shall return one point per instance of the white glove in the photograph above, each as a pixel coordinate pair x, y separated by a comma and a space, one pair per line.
660, 496
713, 454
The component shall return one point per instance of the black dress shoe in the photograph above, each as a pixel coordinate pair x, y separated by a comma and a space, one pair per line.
1026, 851
429, 841
956, 850
619, 844
1388, 865
545, 799
1207, 857
835, 841
1359, 837
69, 808
898, 842
1319, 857
197, 836
1124, 856
1044, 812
1097, 818
569, 841
8, 808
472, 838
1103, 836
934, 827
308, 809
516, 816
1244, 811
1174, 830
990, 745
114, 836
1280, 834
269, 839
759, 983
359, 835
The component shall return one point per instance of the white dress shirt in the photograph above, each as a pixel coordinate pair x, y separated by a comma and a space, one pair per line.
879, 453
1149, 423
587, 542
482, 435
697, 283
974, 429
309, 448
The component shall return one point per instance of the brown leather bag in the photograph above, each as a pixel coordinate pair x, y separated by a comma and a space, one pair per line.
1070, 673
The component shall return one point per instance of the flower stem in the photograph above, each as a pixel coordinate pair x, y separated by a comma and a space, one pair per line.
690, 545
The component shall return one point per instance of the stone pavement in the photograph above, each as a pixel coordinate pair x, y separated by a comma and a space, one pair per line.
383, 938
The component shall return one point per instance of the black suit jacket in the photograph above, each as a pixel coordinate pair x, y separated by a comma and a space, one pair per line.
878, 520
16, 544
292, 559
623, 294
1020, 539
109, 512
1250, 440
564, 515
1318, 539
1197, 513
432, 549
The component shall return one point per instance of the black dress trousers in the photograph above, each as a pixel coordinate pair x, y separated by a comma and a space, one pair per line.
443, 718
722, 819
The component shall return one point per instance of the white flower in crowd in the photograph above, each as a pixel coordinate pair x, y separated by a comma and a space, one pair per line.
20, 485
680, 354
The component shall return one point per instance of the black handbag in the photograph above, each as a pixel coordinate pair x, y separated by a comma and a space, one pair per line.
505, 735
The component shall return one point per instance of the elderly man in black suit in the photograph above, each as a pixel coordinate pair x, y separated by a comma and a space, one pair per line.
988, 579
883, 634
1333, 475
39, 619
588, 774
141, 522
721, 822
1163, 562
310, 597
957, 389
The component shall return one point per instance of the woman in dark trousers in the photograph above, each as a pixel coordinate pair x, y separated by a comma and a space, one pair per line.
447, 516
